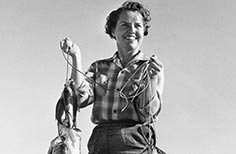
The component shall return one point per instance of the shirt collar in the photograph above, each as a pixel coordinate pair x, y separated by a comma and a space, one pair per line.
140, 56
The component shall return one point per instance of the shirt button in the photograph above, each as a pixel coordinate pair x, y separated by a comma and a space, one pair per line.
115, 111
117, 89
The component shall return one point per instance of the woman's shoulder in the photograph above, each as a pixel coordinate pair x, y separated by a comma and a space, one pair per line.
102, 62
105, 60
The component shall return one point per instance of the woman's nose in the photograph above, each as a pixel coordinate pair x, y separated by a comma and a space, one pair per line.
132, 28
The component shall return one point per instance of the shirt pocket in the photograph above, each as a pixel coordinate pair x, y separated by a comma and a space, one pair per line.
101, 84
131, 87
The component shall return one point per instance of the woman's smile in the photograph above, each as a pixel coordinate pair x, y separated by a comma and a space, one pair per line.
130, 37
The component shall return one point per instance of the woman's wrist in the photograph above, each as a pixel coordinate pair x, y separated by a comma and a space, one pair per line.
76, 56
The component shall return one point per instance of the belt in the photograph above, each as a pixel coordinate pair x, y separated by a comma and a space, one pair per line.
118, 123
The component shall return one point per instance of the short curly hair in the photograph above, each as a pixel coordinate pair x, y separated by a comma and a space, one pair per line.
113, 17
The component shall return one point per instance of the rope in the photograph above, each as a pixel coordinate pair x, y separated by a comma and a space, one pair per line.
67, 69
121, 92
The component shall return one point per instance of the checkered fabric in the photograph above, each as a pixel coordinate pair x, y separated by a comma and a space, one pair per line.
112, 92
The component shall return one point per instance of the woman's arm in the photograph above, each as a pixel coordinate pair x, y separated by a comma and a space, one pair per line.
149, 102
74, 51
85, 94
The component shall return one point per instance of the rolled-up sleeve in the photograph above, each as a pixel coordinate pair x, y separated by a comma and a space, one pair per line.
85, 92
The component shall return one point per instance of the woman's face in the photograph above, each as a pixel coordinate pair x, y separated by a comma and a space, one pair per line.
129, 31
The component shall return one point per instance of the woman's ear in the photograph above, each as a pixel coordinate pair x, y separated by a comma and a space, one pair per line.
113, 35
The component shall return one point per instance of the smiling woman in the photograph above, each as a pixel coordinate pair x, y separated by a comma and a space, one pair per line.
128, 33
125, 90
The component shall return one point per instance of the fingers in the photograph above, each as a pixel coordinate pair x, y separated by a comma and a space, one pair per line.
156, 63
155, 66
66, 44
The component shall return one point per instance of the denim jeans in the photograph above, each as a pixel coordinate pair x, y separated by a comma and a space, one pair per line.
123, 138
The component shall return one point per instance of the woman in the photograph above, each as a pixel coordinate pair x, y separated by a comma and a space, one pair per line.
125, 90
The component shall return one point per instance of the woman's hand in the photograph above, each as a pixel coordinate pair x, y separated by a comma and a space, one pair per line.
69, 47
155, 66
156, 72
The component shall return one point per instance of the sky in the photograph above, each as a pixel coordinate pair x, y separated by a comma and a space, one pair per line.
195, 39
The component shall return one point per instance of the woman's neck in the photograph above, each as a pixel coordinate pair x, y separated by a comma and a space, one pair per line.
127, 56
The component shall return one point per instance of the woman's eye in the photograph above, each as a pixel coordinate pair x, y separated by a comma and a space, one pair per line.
123, 25
138, 25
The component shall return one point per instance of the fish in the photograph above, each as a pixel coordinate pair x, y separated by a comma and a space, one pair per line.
66, 107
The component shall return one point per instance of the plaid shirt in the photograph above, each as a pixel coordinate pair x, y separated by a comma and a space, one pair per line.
112, 93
